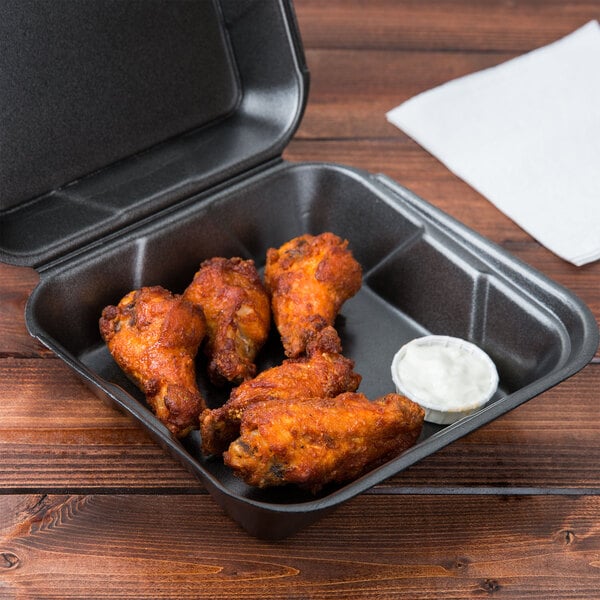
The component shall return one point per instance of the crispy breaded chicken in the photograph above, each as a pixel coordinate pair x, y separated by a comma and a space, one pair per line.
312, 442
154, 335
309, 278
324, 372
238, 316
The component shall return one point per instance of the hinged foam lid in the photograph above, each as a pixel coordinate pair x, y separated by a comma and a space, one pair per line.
112, 110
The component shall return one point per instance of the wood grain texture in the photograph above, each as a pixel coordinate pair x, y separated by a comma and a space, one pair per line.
373, 547
91, 507
489, 26
16, 284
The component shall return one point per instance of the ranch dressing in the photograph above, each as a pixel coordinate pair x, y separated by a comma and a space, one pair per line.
446, 377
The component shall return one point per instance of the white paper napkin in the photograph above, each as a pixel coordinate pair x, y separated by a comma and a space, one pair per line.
526, 135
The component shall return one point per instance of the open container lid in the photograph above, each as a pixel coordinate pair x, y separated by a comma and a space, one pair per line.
111, 111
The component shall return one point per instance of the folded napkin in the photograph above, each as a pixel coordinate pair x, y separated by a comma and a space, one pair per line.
526, 135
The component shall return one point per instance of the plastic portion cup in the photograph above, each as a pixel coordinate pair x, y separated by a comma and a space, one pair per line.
448, 376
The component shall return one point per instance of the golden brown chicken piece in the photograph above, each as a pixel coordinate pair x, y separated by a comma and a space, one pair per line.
238, 316
309, 278
316, 441
324, 372
154, 336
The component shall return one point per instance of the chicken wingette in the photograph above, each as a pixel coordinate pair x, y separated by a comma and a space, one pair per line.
316, 441
238, 316
323, 372
308, 279
154, 335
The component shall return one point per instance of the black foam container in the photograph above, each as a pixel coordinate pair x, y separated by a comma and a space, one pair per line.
179, 177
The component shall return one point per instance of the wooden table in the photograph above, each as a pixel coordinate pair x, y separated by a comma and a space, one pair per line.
92, 508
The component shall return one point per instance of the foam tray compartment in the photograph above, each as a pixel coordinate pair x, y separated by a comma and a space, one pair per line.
424, 273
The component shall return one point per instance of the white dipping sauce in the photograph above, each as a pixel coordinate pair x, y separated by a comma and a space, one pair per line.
449, 377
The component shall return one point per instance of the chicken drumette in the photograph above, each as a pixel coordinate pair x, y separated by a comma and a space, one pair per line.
323, 372
309, 278
312, 442
154, 335
238, 316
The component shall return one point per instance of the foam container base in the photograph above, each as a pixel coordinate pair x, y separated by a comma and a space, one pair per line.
424, 273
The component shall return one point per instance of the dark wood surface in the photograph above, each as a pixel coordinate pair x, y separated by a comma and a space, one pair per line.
91, 507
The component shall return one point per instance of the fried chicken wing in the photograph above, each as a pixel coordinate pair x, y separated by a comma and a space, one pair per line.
238, 316
154, 335
323, 372
316, 441
309, 278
